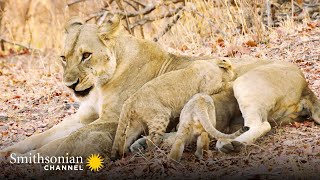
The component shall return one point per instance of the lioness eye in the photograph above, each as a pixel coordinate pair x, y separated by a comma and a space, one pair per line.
86, 56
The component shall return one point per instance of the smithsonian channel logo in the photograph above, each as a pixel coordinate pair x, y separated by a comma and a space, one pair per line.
94, 162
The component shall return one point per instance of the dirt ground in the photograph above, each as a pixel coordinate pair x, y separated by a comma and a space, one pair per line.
33, 99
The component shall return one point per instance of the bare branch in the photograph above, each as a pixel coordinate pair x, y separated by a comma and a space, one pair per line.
102, 18
149, 19
75, 2
131, 31
148, 9
108, 3
168, 27
139, 3
209, 21
130, 4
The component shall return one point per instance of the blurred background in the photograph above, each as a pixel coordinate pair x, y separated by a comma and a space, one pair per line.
180, 24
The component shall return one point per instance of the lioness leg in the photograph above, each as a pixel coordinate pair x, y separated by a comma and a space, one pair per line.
255, 114
36, 141
97, 137
313, 104
258, 127
61, 130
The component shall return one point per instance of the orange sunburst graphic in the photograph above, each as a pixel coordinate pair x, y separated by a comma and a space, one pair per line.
95, 162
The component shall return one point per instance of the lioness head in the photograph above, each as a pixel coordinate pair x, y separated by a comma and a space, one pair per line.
88, 57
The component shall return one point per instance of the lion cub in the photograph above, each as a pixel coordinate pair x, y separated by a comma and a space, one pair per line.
198, 120
152, 106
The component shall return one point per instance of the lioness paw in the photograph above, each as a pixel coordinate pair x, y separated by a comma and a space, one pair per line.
4, 154
228, 146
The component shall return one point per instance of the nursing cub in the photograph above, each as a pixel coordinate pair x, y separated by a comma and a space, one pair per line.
149, 110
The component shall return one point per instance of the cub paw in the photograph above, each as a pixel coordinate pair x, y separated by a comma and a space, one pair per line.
139, 145
114, 156
174, 156
199, 155
229, 146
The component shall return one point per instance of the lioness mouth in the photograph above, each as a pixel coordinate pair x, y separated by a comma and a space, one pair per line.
83, 93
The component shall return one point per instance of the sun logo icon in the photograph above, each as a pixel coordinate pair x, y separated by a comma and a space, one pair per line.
95, 162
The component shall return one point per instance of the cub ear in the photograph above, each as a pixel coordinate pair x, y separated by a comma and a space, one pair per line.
110, 29
73, 22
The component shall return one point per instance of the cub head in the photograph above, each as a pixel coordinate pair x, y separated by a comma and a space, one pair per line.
226, 65
88, 57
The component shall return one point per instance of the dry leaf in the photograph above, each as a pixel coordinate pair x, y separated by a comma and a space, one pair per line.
183, 48
296, 124
4, 133
16, 97
220, 42
312, 24
251, 43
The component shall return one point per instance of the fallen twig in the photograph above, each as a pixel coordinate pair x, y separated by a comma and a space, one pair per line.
19, 44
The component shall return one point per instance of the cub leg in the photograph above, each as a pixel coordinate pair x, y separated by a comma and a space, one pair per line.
124, 123
157, 128
132, 133
202, 144
184, 135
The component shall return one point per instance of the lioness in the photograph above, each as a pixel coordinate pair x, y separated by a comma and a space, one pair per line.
198, 120
104, 68
152, 106
275, 93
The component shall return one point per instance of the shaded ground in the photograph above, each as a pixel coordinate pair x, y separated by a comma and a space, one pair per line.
33, 99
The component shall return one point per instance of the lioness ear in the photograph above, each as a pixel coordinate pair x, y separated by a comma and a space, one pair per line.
110, 29
73, 22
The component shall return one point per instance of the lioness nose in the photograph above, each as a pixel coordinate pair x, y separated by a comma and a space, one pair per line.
72, 86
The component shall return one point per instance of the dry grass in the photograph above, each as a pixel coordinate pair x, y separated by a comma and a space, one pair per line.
40, 23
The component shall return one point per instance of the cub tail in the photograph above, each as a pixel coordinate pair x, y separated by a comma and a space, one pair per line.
205, 113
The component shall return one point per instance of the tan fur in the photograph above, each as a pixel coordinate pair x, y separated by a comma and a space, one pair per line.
268, 93
275, 93
197, 121
152, 106
118, 66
